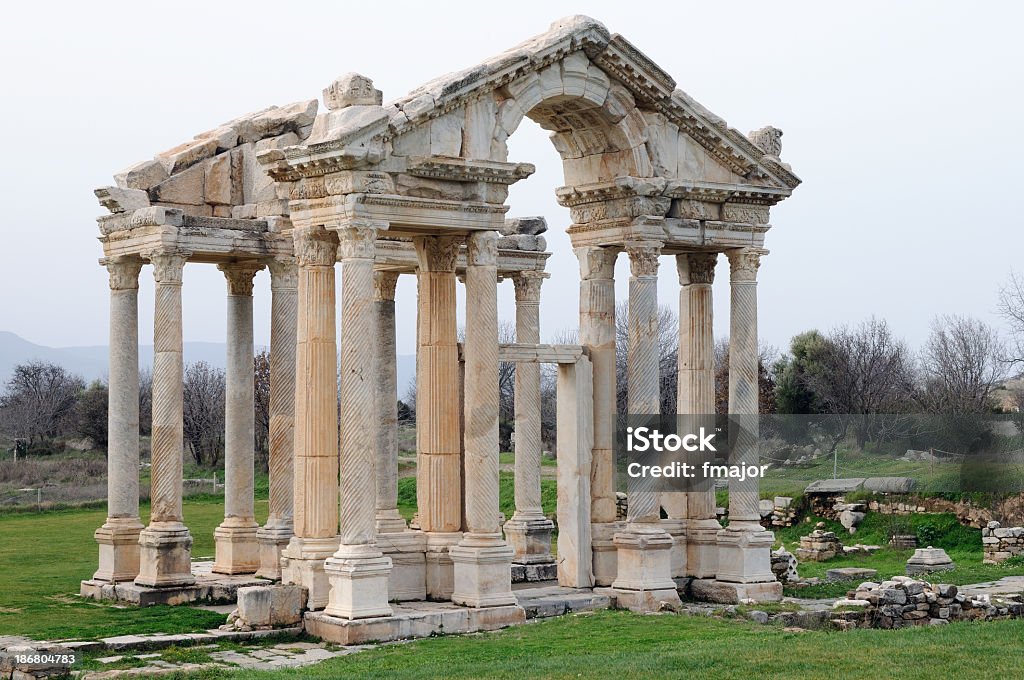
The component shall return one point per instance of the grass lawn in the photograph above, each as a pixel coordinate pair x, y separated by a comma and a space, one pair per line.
44, 556
625, 645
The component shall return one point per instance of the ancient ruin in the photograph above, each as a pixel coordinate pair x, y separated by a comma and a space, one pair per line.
417, 187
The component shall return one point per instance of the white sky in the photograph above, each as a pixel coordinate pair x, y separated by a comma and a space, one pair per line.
903, 119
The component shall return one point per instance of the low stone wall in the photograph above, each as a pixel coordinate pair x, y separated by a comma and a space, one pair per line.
1001, 543
903, 601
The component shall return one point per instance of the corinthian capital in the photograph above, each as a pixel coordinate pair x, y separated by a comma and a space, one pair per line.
284, 273
315, 247
168, 265
696, 268
357, 243
437, 253
239, 276
384, 283
643, 257
482, 248
743, 264
527, 286
124, 272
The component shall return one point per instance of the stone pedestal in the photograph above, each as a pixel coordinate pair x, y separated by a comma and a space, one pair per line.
644, 564
676, 528
165, 556
605, 553
702, 547
530, 539
302, 564
118, 541
745, 567
272, 541
238, 549
483, 572
406, 549
439, 569
358, 577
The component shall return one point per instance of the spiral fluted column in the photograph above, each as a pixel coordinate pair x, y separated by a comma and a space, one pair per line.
237, 550
358, 571
166, 545
118, 538
482, 560
275, 534
316, 417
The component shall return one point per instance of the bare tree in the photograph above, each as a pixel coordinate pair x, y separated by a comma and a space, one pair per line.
962, 362
766, 361
261, 404
668, 353
866, 370
204, 391
145, 401
39, 402
1011, 308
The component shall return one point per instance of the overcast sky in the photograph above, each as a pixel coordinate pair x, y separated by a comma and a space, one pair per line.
903, 120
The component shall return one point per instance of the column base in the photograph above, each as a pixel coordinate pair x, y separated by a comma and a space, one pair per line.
710, 590
530, 539
165, 556
744, 556
302, 564
606, 555
118, 541
440, 572
237, 547
676, 528
644, 580
407, 580
702, 547
272, 539
483, 571
390, 522
358, 575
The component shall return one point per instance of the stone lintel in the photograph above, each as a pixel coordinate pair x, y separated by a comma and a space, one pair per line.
400, 255
544, 354
207, 244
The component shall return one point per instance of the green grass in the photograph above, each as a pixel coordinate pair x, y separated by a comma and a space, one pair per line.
625, 645
44, 556
509, 458
507, 502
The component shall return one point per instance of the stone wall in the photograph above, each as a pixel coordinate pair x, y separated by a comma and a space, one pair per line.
1001, 543
902, 602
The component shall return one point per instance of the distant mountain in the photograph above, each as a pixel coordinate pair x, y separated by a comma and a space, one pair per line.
90, 361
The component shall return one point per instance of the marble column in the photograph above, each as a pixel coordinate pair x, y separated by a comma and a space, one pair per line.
744, 546
316, 417
575, 448
358, 571
277, 532
696, 400
165, 554
597, 334
237, 550
529, 531
118, 538
438, 445
644, 578
407, 580
482, 560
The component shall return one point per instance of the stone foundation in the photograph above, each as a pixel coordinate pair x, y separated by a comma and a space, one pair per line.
208, 588
1001, 543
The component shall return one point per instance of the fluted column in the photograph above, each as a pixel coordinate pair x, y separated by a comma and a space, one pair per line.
275, 534
316, 417
643, 368
482, 559
744, 547
643, 581
528, 531
696, 399
358, 571
438, 446
166, 545
237, 550
597, 334
118, 538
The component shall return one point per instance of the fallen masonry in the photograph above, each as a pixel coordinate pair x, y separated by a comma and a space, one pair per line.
818, 546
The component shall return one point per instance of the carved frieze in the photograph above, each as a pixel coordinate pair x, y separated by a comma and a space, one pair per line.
740, 212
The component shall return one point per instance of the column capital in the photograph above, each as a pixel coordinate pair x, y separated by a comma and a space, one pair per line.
743, 264
527, 285
384, 283
643, 257
315, 247
124, 272
482, 249
696, 268
437, 253
168, 265
597, 262
357, 242
284, 273
239, 276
